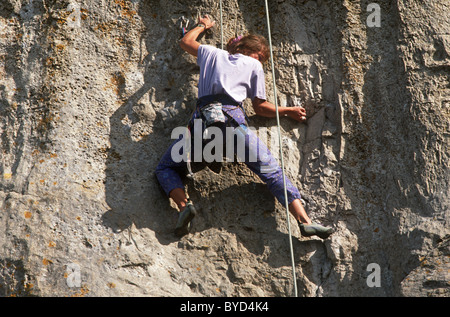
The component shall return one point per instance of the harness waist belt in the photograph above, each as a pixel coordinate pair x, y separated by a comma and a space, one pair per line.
224, 99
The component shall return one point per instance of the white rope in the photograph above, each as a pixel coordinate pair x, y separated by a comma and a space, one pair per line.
281, 148
221, 25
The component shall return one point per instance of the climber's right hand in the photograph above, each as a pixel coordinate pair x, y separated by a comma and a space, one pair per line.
297, 113
206, 21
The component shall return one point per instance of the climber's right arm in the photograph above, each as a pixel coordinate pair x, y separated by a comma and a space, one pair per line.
189, 42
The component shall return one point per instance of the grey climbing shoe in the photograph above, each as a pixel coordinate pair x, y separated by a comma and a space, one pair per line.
184, 220
315, 229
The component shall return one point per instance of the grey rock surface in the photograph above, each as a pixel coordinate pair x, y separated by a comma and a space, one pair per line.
91, 90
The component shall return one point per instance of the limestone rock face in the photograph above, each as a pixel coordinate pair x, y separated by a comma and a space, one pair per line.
90, 92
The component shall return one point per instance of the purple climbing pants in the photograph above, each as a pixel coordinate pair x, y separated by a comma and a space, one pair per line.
262, 163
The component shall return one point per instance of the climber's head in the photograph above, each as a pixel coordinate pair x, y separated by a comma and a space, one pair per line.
255, 46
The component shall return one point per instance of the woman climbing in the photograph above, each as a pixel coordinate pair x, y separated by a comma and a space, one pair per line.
228, 78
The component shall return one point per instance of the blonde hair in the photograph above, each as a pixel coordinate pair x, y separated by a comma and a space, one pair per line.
249, 44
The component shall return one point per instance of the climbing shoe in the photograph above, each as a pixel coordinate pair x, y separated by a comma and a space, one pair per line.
315, 229
184, 220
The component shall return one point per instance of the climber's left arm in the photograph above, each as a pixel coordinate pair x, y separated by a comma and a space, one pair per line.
266, 109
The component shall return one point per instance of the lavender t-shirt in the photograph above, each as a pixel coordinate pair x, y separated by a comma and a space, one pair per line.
238, 76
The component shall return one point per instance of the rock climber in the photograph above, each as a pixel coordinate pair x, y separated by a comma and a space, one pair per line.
229, 77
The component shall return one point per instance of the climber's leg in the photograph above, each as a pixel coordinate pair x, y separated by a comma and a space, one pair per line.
178, 195
168, 176
261, 161
298, 211
267, 168
167, 172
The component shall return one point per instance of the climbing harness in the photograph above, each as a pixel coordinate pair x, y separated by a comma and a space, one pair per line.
281, 148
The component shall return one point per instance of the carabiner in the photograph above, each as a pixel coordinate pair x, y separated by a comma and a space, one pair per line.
184, 23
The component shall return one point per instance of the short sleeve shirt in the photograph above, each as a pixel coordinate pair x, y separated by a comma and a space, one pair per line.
238, 76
